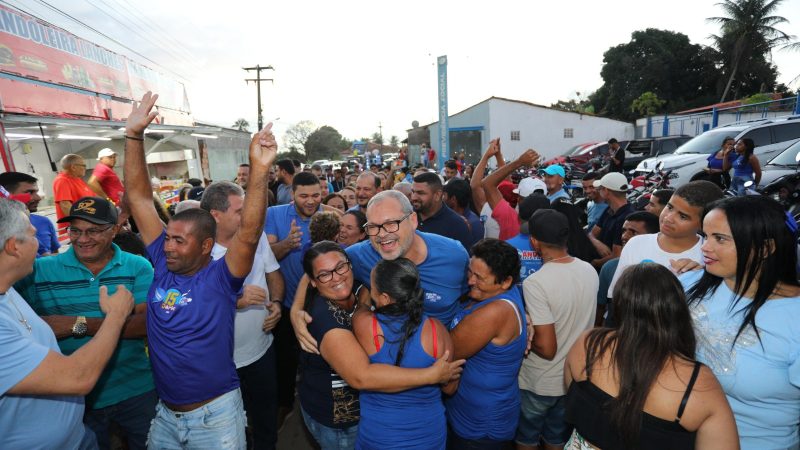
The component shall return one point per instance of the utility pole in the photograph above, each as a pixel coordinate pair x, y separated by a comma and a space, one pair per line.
380, 133
258, 81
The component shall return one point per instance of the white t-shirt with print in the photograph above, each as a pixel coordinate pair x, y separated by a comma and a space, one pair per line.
491, 229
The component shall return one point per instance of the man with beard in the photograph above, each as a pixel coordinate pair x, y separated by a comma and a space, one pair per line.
18, 183
597, 206
367, 185
392, 230
433, 215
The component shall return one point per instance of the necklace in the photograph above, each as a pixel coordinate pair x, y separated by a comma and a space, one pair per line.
21, 319
556, 259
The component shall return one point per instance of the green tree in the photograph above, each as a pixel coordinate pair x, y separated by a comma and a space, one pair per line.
748, 34
663, 62
394, 141
325, 143
376, 138
296, 135
292, 154
241, 125
647, 104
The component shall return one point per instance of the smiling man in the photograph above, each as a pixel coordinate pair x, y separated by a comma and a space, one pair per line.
63, 290
367, 185
18, 183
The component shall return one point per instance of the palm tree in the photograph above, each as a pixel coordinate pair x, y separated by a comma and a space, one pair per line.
241, 125
748, 30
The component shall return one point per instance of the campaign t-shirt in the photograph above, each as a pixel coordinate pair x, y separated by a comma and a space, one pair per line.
530, 260
32, 421
190, 329
443, 274
645, 248
45, 234
250, 342
279, 223
507, 218
491, 229
109, 181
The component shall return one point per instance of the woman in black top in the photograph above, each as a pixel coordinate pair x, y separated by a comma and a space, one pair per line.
638, 385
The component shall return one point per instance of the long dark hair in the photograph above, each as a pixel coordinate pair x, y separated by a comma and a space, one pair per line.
749, 147
578, 244
399, 279
653, 325
318, 249
765, 254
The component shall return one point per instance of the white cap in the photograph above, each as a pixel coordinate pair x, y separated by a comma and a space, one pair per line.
529, 185
613, 181
105, 152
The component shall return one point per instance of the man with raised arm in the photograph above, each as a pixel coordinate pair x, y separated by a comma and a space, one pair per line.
41, 390
502, 211
192, 302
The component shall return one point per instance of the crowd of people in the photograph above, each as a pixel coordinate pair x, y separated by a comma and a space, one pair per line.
402, 308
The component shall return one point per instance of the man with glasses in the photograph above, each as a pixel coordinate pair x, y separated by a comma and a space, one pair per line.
392, 230
68, 186
63, 290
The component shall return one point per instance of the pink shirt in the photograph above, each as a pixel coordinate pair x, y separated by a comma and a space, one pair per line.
508, 219
109, 181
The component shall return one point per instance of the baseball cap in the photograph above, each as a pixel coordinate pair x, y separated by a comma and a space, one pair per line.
549, 226
529, 185
555, 169
196, 193
105, 152
613, 181
508, 190
528, 206
97, 210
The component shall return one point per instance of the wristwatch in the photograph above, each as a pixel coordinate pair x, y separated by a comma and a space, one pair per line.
80, 328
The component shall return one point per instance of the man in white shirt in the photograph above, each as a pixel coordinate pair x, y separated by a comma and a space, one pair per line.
680, 222
258, 311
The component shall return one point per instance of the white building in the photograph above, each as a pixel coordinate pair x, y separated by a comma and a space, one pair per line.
522, 125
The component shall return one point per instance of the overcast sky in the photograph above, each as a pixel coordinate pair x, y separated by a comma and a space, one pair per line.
355, 64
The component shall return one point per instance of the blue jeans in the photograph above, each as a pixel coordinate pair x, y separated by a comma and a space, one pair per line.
331, 438
133, 416
218, 424
737, 184
542, 416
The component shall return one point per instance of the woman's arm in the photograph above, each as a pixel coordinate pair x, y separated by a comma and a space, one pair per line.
342, 351
494, 321
756, 164
718, 430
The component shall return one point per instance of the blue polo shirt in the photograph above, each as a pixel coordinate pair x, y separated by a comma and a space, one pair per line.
190, 329
45, 234
278, 223
447, 223
528, 257
475, 225
443, 274
62, 285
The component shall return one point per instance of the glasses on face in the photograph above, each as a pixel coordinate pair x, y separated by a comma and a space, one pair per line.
91, 233
390, 226
326, 276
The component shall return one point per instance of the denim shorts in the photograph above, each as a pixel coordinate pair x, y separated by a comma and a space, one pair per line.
542, 416
331, 438
218, 424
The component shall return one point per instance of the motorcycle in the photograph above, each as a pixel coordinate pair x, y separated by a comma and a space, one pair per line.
643, 186
785, 190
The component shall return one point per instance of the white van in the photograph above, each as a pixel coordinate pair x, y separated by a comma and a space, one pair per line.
771, 136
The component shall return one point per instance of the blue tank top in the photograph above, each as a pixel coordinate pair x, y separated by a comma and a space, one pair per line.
486, 404
742, 167
410, 419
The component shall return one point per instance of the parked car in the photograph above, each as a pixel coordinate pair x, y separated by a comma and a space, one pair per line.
581, 158
562, 158
771, 136
638, 150
783, 164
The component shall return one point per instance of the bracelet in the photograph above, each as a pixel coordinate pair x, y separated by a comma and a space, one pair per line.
134, 138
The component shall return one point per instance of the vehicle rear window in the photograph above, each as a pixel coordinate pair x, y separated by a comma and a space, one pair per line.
760, 136
786, 132
639, 147
668, 147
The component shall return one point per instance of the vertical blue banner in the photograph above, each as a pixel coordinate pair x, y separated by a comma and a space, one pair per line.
444, 134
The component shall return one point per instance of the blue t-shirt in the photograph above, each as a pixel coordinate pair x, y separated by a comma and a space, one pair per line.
529, 259
443, 274
715, 163
190, 329
594, 213
761, 379
742, 167
475, 225
284, 196
423, 423
561, 193
45, 234
487, 402
31, 421
278, 223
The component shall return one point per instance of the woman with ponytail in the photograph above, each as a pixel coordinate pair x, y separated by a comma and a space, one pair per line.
398, 333
490, 332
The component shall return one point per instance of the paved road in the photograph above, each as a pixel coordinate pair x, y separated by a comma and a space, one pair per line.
293, 435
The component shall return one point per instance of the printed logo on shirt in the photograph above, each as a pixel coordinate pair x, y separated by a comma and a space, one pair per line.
171, 299
484, 218
432, 297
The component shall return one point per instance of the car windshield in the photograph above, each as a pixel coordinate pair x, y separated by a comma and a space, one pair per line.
706, 143
787, 157
573, 150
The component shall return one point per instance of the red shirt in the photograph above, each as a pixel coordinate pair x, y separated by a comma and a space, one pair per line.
507, 218
109, 181
69, 189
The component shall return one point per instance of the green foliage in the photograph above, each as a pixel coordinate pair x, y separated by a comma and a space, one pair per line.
325, 143
241, 125
377, 138
296, 136
292, 154
394, 141
647, 104
757, 98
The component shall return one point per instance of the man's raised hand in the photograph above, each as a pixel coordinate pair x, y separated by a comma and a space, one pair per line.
530, 158
263, 147
141, 115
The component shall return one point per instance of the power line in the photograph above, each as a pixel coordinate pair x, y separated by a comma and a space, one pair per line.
258, 81
140, 16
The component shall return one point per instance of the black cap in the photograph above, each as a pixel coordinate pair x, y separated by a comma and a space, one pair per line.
92, 209
196, 193
531, 204
549, 226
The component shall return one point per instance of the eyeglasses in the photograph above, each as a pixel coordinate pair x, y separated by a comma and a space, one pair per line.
390, 226
91, 233
341, 269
